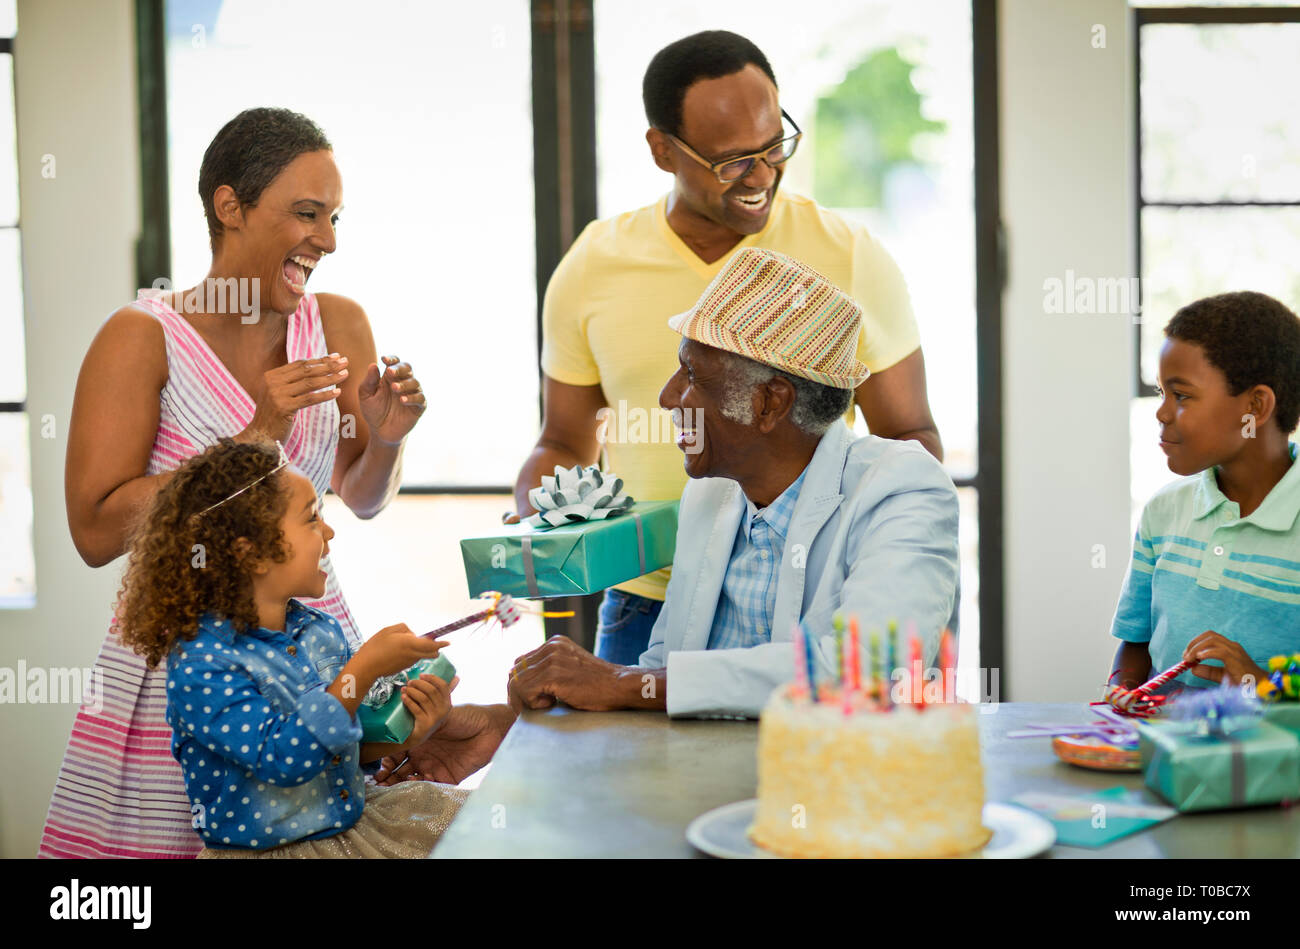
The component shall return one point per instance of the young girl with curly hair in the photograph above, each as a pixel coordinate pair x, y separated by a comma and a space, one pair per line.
262, 691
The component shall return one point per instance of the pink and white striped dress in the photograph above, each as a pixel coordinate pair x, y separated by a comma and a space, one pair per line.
119, 792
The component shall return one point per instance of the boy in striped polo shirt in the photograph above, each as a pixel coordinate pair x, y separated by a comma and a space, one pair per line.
1215, 575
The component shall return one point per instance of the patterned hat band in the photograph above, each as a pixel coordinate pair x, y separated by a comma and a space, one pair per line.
775, 310
732, 343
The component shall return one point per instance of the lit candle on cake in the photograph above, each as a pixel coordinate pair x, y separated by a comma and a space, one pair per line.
917, 673
846, 692
800, 661
875, 665
809, 662
947, 661
837, 623
854, 658
891, 643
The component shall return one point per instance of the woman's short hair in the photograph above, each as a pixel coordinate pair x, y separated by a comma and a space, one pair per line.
247, 154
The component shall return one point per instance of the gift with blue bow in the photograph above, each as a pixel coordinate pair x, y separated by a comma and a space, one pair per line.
1214, 750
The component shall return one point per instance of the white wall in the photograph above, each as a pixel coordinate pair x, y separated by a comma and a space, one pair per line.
76, 100
1066, 142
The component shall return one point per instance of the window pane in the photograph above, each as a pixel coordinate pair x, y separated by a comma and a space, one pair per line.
8, 17
1217, 112
436, 243
8, 145
13, 364
883, 94
1189, 253
17, 562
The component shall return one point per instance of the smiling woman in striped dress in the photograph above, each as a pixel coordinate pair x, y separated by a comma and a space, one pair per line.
247, 353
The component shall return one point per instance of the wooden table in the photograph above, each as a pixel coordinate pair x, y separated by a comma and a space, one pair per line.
626, 784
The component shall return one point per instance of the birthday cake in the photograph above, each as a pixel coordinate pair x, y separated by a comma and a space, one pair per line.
893, 781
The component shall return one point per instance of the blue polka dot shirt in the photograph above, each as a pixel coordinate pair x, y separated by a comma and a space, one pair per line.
269, 757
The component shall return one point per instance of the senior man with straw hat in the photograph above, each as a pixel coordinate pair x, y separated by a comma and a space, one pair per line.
788, 517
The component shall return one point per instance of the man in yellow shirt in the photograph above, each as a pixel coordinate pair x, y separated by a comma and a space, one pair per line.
717, 126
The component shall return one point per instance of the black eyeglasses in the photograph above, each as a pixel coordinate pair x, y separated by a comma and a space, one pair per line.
732, 169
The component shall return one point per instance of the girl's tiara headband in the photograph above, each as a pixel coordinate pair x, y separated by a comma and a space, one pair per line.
284, 460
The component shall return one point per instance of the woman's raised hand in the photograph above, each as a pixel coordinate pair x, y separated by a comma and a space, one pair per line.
295, 386
391, 400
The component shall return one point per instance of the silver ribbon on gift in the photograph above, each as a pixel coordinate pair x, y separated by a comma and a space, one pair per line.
385, 688
640, 541
530, 571
525, 549
577, 494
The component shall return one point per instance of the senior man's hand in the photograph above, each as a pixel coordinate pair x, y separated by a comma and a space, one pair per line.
561, 670
465, 742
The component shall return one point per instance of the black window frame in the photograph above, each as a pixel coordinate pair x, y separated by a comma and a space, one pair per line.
7, 47
1193, 16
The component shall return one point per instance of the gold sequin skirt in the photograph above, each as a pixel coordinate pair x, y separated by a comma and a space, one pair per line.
401, 821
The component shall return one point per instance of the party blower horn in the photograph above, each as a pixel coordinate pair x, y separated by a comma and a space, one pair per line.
1139, 702
503, 609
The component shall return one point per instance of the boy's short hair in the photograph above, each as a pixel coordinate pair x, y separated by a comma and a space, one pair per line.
1253, 340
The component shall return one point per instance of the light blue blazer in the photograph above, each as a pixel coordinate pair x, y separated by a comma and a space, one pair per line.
874, 533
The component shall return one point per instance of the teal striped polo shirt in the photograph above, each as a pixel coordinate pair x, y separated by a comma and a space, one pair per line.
1198, 564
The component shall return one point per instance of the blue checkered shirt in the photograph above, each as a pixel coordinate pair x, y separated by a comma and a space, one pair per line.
748, 601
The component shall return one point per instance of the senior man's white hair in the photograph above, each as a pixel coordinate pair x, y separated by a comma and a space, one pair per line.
816, 406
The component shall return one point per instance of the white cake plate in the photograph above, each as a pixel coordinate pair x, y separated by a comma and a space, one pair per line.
1017, 833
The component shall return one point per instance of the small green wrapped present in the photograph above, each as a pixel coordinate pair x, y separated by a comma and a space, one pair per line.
382, 715
573, 559
1258, 765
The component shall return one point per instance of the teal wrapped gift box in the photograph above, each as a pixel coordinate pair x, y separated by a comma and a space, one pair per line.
391, 722
1284, 715
574, 559
1260, 765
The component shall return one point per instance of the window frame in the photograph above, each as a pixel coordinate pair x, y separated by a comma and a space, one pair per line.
20, 407
1194, 16
7, 47
990, 286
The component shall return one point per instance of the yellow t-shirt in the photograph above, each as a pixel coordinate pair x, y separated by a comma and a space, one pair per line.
605, 321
